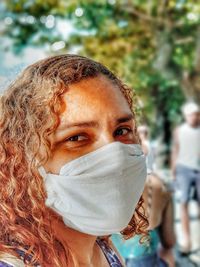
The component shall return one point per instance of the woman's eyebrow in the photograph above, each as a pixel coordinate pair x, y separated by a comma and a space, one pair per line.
125, 118
83, 124
93, 124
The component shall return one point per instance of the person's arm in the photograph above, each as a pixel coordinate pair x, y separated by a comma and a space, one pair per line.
174, 153
167, 235
168, 256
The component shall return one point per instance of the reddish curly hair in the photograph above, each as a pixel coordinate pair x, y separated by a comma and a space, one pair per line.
29, 114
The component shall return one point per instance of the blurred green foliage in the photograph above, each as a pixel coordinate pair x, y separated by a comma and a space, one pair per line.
154, 46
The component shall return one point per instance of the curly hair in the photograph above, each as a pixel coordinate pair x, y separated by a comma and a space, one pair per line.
29, 111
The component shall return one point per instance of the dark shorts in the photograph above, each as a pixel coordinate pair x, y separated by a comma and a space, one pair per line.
187, 178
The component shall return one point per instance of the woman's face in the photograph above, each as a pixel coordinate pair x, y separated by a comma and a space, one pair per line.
95, 113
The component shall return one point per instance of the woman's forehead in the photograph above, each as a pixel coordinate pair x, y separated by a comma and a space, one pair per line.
98, 90
92, 98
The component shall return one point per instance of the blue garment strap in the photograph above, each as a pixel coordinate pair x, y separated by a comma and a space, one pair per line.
3, 264
109, 253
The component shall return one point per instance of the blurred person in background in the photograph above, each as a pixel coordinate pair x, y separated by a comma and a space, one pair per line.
157, 250
185, 163
143, 131
71, 167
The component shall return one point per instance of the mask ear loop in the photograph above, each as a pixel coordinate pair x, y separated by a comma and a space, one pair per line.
42, 172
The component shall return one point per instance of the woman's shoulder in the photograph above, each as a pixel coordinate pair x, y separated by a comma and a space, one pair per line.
9, 260
158, 185
158, 190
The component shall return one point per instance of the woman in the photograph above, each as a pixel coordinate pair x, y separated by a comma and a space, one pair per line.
70, 164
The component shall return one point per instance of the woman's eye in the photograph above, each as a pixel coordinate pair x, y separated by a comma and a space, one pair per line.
77, 138
122, 131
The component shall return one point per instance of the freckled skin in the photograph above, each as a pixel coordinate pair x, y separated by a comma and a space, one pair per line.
95, 100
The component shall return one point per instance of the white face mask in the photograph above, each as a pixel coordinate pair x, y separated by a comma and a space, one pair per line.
97, 193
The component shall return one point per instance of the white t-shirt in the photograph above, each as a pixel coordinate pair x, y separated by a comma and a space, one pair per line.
189, 146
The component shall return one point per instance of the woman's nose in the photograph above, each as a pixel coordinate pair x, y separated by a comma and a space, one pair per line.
105, 139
